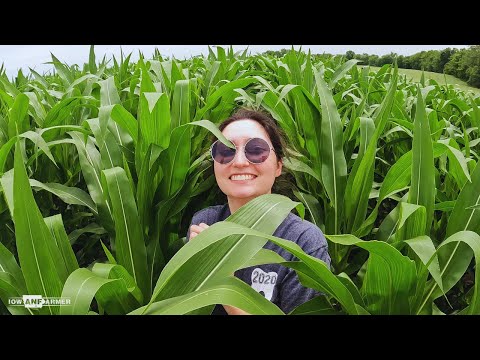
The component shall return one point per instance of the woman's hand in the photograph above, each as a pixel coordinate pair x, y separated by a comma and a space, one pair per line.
232, 310
197, 229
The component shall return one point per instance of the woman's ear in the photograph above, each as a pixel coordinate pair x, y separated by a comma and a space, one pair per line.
278, 171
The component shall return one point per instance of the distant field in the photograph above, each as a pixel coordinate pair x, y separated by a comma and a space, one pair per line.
415, 75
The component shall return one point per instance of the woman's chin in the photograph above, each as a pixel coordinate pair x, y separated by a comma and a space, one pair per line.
244, 195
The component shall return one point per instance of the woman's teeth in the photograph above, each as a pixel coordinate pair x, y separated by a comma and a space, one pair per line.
242, 177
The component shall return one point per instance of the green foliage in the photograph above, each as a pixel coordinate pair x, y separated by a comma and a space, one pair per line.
386, 167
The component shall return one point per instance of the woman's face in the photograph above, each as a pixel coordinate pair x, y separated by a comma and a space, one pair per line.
241, 180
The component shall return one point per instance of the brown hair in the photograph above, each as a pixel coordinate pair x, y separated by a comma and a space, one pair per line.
275, 133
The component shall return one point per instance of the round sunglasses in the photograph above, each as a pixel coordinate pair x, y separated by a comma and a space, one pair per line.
256, 151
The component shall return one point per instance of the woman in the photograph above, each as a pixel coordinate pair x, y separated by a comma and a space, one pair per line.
244, 173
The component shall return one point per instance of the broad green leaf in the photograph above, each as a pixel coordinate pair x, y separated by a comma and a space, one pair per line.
281, 112
91, 61
455, 254
147, 184
90, 228
8, 264
334, 166
446, 205
39, 110
264, 256
146, 84
424, 248
4, 151
9, 289
458, 164
126, 120
411, 221
181, 103
70, 195
62, 70
315, 274
397, 178
7, 186
9, 88
40, 142
81, 287
175, 160
154, 119
57, 229
475, 115
109, 255
317, 306
89, 159
124, 297
229, 291
36, 248
360, 179
18, 116
389, 279
297, 165
222, 91
109, 148
59, 113
350, 285
108, 92
341, 71
214, 130
129, 240
310, 125
313, 207
465, 215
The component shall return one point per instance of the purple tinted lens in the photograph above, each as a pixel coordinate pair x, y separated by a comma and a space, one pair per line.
257, 150
221, 153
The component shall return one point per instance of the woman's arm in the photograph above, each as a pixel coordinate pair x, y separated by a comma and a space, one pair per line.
292, 292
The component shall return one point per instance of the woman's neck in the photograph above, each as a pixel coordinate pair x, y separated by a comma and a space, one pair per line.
235, 204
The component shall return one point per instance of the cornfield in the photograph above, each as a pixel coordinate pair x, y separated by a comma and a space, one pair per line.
103, 166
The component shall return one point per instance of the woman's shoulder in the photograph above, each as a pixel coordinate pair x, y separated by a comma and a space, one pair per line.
299, 223
209, 215
305, 233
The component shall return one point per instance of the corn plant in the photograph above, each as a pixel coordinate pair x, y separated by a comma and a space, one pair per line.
117, 158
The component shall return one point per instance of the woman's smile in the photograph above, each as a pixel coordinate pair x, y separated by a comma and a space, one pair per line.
243, 178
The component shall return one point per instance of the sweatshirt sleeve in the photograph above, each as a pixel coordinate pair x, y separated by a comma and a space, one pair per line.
292, 292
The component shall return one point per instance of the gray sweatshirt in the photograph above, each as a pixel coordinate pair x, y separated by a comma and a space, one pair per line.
277, 283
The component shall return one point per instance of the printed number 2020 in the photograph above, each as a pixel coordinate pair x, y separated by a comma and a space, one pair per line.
263, 278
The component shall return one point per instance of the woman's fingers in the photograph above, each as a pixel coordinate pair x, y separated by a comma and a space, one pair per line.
197, 229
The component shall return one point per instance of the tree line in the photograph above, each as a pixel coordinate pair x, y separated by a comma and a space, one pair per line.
461, 63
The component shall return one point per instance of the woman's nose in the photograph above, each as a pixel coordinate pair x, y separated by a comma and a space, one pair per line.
240, 159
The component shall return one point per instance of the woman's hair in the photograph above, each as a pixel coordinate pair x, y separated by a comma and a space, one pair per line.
275, 133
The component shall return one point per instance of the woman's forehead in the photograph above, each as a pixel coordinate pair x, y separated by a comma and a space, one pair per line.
242, 130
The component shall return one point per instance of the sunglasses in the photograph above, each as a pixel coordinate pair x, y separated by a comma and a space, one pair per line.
256, 151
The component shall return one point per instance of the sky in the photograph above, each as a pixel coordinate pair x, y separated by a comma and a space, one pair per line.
15, 57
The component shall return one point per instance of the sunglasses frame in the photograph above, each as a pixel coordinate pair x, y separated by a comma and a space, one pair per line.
237, 149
